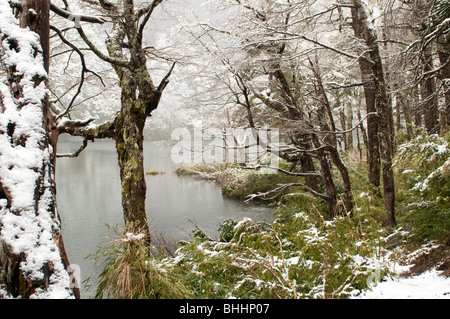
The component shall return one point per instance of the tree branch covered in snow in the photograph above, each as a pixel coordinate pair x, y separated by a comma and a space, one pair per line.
76, 17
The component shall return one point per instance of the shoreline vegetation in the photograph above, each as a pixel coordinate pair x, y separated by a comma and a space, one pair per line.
236, 181
152, 172
303, 253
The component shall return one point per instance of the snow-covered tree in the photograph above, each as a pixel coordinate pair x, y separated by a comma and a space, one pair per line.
33, 261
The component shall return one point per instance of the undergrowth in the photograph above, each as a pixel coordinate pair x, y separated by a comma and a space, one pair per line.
302, 254
423, 177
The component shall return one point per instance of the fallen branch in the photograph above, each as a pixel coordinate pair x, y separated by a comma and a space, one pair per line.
277, 191
258, 167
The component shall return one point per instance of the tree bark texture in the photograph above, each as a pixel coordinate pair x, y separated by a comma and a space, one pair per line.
139, 98
129, 139
373, 143
330, 141
293, 112
35, 15
33, 260
429, 96
382, 105
444, 56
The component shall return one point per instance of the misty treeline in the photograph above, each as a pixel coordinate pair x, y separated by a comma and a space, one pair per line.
335, 77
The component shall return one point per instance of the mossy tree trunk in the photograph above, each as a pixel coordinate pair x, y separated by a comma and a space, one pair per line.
139, 98
129, 144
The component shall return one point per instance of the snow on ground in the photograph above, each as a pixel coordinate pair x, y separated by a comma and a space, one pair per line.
429, 285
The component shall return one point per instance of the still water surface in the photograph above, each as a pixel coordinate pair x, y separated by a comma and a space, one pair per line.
89, 198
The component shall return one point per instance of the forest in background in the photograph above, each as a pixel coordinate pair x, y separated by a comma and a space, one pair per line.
357, 89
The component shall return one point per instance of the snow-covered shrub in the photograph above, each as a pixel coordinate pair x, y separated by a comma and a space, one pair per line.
423, 166
303, 257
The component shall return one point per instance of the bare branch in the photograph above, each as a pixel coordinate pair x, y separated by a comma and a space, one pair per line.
261, 16
293, 36
98, 53
258, 167
442, 27
106, 5
165, 80
80, 128
148, 12
337, 86
84, 70
66, 125
76, 153
277, 191
322, 132
76, 17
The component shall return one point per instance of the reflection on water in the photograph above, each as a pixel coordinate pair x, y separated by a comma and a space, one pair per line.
89, 198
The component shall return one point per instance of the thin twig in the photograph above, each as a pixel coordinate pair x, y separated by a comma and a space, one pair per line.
84, 70
76, 153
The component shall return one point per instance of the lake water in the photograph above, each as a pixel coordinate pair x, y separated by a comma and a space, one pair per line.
89, 198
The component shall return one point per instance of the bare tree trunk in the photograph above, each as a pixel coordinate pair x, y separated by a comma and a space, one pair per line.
417, 109
373, 144
304, 141
343, 119
398, 113
332, 148
139, 98
129, 123
429, 96
363, 131
35, 15
405, 109
382, 105
330, 188
349, 136
444, 56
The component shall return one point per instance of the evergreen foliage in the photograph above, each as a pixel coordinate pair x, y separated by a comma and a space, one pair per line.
304, 257
300, 256
423, 165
